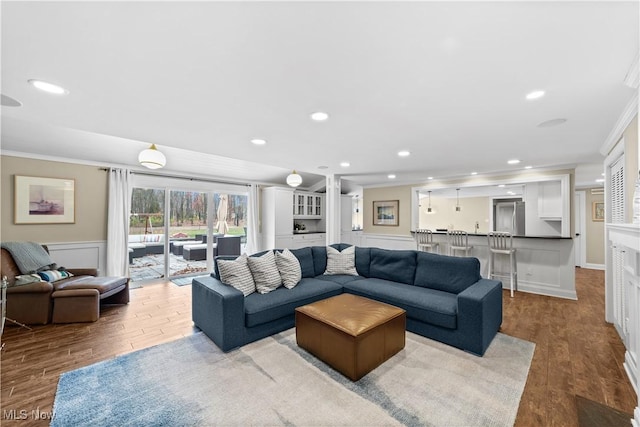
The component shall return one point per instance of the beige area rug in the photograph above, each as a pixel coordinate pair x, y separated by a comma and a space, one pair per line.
273, 382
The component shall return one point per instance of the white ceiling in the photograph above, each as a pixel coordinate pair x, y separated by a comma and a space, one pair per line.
444, 80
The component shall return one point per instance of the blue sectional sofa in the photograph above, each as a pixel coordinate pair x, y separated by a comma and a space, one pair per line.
444, 297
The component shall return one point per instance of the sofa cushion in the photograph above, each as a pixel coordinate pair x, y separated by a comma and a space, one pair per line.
423, 304
319, 259
445, 273
305, 257
339, 278
393, 265
341, 262
265, 272
289, 268
263, 308
363, 261
236, 273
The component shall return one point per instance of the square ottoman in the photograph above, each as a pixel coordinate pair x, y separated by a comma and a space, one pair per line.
352, 334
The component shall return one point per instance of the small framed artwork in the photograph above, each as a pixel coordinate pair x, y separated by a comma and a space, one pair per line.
385, 212
597, 211
41, 200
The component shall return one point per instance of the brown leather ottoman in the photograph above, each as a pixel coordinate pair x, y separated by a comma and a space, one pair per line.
78, 299
352, 334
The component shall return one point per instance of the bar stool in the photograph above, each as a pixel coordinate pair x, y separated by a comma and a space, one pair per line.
458, 241
502, 243
424, 241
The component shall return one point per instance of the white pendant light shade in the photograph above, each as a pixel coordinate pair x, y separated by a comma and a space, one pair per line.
294, 179
152, 158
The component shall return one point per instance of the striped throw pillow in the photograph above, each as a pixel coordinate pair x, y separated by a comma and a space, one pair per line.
265, 272
236, 273
54, 275
289, 268
341, 262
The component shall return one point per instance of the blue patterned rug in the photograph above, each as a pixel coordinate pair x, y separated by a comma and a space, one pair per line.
190, 382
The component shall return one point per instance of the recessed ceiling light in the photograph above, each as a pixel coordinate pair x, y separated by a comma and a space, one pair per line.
319, 116
510, 193
345, 164
429, 177
513, 161
528, 167
535, 94
600, 180
602, 174
474, 173
551, 123
501, 185
404, 153
48, 87
391, 176
258, 141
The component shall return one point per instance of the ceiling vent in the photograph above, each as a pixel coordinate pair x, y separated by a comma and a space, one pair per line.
597, 191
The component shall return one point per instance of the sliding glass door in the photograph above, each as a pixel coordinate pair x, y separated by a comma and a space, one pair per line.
199, 223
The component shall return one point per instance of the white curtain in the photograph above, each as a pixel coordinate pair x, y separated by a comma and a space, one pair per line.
253, 244
118, 222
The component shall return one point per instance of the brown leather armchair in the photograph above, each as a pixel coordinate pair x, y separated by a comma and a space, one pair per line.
70, 300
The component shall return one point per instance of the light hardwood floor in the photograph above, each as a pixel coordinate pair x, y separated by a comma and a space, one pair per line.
577, 352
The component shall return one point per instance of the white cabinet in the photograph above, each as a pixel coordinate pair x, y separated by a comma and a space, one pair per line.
623, 295
346, 213
308, 205
550, 200
277, 217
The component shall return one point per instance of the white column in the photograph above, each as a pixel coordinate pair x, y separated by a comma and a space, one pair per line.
332, 200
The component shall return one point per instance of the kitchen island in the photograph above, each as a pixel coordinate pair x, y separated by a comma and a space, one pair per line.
546, 265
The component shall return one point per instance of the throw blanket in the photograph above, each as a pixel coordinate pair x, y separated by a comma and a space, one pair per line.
30, 257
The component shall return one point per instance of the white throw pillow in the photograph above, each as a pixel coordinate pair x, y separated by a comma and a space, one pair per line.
341, 262
236, 273
265, 272
289, 268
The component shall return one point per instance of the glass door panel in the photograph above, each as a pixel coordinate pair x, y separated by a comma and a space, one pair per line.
146, 234
188, 233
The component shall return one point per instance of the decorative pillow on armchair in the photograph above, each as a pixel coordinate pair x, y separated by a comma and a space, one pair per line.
341, 262
26, 279
54, 275
236, 273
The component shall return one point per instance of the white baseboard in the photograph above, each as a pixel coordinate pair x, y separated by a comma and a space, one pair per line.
594, 266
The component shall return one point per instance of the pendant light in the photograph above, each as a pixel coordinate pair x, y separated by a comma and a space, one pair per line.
152, 158
429, 210
458, 208
294, 179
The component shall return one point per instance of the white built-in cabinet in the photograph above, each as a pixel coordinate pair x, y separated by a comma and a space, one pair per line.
278, 218
550, 200
623, 295
308, 205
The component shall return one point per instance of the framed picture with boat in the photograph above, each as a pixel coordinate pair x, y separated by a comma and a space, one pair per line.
40, 200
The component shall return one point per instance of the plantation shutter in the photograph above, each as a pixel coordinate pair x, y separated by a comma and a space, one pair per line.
616, 191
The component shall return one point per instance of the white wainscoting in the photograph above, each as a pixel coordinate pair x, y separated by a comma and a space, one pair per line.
387, 241
80, 254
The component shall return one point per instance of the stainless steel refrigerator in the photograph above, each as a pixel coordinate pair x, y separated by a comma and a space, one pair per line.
509, 216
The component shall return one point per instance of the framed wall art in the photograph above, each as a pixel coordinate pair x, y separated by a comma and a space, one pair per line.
597, 211
385, 212
39, 200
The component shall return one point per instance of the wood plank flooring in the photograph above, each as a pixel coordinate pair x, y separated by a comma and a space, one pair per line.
577, 352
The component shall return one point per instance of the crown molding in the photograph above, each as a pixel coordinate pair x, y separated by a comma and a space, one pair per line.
632, 79
628, 114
